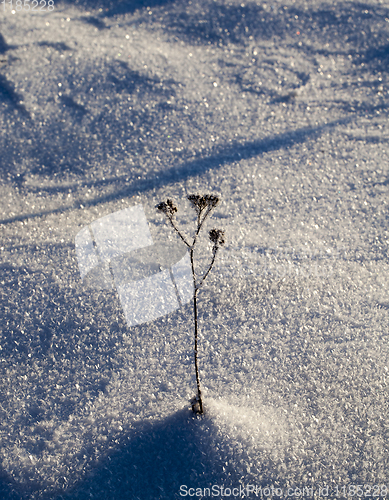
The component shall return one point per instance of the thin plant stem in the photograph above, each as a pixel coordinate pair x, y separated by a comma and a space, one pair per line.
207, 202
200, 223
198, 398
195, 354
180, 235
209, 269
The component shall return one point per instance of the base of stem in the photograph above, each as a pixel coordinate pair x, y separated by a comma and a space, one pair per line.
196, 407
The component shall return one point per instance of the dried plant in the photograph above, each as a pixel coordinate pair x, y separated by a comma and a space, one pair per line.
203, 205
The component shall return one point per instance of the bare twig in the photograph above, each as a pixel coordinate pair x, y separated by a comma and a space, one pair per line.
206, 274
169, 209
201, 204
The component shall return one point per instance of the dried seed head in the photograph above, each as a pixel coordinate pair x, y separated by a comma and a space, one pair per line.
167, 207
217, 237
211, 200
198, 202
201, 202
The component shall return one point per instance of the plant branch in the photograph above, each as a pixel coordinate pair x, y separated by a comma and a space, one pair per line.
180, 235
209, 269
201, 222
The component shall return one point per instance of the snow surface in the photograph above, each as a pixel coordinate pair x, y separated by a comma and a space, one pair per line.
281, 108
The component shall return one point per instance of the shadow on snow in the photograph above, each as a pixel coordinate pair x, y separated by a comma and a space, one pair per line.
222, 155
